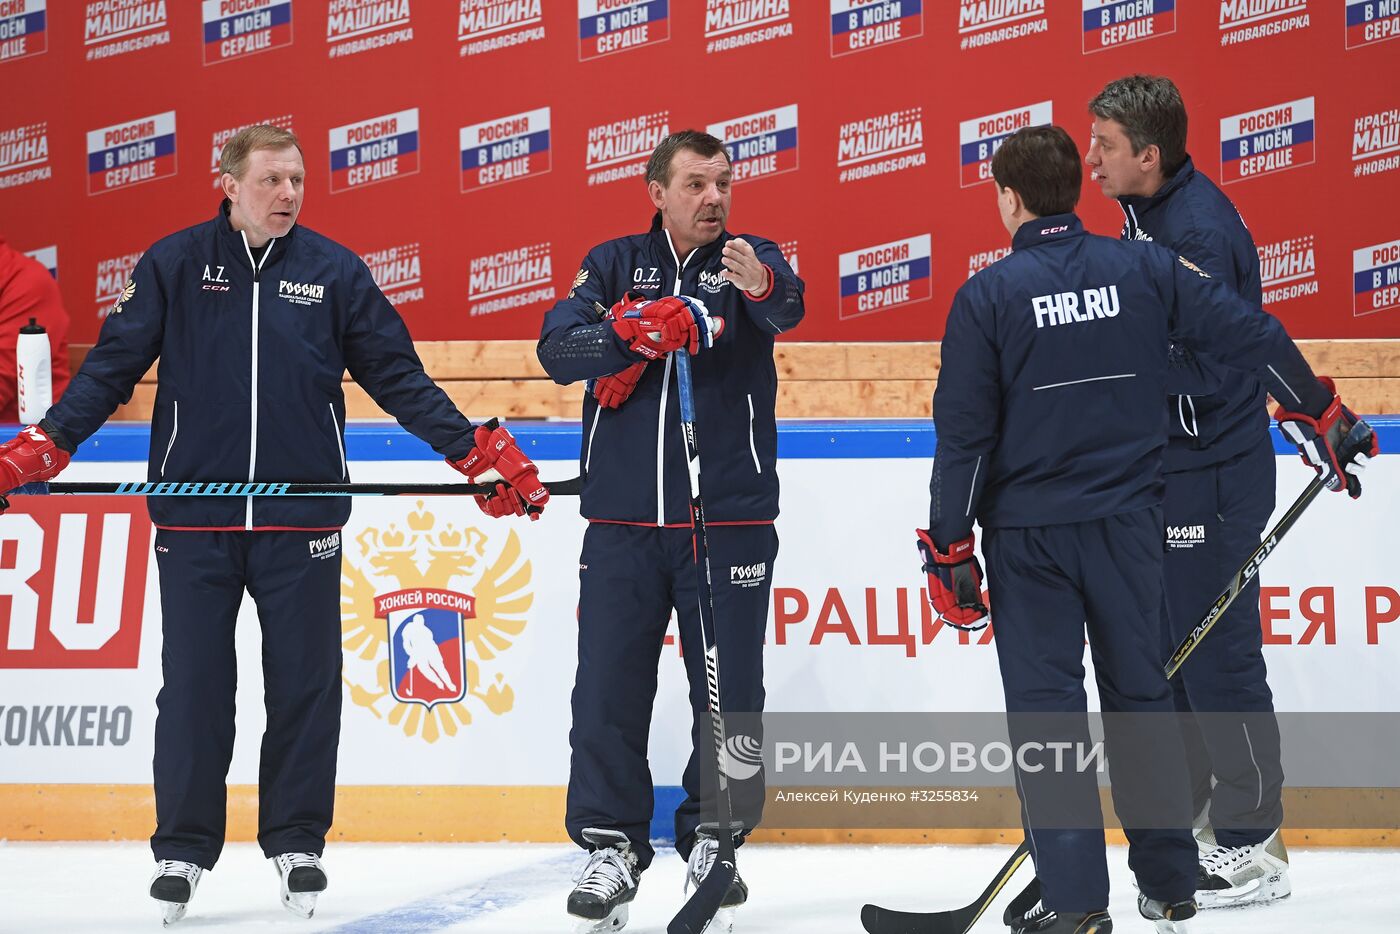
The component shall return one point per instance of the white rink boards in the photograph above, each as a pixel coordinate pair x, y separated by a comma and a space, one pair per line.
833, 560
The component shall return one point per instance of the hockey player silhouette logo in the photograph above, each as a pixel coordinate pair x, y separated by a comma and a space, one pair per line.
429, 612
426, 656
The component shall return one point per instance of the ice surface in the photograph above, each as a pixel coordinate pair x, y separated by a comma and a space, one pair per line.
480, 888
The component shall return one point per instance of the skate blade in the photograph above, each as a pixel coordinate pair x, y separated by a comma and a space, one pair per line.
613, 922
721, 923
1255, 892
301, 904
170, 912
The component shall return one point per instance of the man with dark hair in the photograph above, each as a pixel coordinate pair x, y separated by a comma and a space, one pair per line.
1050, 435
255, 321
1147, 114
690, 286
660, 164
1219, 467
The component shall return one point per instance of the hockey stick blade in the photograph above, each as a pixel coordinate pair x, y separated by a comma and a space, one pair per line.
879, 920
700, 909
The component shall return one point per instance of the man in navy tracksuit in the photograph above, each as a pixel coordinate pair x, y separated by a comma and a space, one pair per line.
255, 321
1050, 434
637, 563
1219, 467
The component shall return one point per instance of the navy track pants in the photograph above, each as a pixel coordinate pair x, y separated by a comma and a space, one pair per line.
1215, 517
630, 578
296, 588
1047, 586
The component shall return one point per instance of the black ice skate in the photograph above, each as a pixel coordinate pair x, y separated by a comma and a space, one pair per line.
1244, 875
702, 860
302, 880
1027, 914
173, 886
1169, 918
607, 883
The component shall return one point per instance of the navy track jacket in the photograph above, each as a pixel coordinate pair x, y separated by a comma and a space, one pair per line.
251, 363
1215, 412
633, 457
1049, 403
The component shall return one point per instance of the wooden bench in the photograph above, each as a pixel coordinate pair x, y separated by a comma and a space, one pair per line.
816, 380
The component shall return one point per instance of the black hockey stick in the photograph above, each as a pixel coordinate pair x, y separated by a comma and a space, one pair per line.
879, 920
1358, 439
568, 487
700, 909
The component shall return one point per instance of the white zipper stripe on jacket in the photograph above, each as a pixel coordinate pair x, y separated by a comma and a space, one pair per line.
753, 449
665, 391
339, 444
1181, 415
972, 487
1291, 392
253, 384
588, 455
661, 446
171, 444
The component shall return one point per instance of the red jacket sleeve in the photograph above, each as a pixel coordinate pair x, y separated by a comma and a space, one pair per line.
28, 291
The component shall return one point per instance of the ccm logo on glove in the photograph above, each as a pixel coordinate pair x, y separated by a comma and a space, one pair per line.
497, 456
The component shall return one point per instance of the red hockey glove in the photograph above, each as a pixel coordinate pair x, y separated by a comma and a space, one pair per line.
655, 328
1320, 442
629, 301
612, 391
29, 457
497, 457
954, 582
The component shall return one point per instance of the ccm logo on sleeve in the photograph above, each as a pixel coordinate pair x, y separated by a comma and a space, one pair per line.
325, 547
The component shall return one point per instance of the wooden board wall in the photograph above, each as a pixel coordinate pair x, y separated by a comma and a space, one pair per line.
815, 380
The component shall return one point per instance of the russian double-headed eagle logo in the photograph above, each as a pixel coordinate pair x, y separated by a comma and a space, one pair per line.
579, 279
426, 609
127, 292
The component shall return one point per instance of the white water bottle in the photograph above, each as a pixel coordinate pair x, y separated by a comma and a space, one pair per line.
34, 369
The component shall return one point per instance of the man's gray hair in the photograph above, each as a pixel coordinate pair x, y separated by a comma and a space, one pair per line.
702, 144
1151, 112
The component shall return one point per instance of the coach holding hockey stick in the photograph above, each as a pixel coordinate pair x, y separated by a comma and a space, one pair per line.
255, 321
1050, 434
637, 563
1219, 475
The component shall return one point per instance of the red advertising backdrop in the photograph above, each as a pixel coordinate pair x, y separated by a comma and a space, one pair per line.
473, 150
